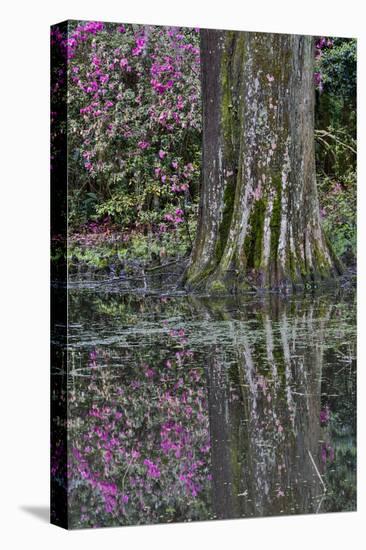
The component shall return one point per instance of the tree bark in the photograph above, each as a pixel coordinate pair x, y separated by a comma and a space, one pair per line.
259, 222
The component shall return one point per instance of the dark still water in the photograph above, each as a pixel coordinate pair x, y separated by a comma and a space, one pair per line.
185, 408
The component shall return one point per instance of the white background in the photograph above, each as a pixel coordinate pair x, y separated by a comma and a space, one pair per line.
24, 253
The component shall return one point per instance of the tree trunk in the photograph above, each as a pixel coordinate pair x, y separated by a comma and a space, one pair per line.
259, 222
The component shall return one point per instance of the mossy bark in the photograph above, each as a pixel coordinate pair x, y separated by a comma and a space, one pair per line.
259, 222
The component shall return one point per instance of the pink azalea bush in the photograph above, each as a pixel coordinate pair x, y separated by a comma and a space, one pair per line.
134, 120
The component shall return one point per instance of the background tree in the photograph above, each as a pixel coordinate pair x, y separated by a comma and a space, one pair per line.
259, 221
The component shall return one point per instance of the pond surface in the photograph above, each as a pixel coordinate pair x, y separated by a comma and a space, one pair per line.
184, 408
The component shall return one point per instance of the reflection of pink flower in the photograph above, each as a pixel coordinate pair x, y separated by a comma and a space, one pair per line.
327, 453
123, 63
149, 373
337, 188
324, 415
143, 144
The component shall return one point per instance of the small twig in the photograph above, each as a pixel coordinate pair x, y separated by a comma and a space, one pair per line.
162, 266
126, 472
123, 278
320, 503
317, 471
327, 134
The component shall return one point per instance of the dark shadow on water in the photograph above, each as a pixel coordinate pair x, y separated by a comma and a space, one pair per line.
40, 512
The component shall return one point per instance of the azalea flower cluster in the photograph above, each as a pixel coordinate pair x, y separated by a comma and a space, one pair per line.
176, 217
321, 44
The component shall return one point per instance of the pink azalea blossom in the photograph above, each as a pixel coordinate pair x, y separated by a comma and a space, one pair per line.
152, 469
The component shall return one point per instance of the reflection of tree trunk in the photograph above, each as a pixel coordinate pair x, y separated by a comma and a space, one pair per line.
264, 416
222, 414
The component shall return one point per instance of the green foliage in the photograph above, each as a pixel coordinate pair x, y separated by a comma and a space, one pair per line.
338, 199
336, 150
339, 69
335, 137
144, 247
121, 207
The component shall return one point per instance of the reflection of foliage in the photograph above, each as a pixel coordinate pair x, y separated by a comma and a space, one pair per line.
340, 426
110, 309
139, 442
340, 479
140, 413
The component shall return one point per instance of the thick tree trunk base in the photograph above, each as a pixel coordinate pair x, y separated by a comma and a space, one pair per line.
259, 223
234, 282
